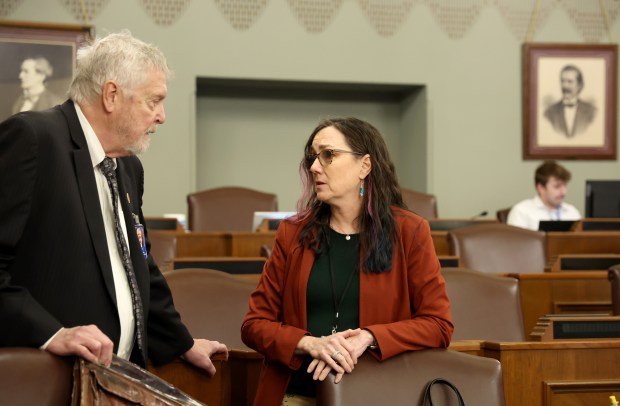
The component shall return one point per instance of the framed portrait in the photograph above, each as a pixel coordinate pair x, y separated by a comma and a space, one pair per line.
37, 66
569, 101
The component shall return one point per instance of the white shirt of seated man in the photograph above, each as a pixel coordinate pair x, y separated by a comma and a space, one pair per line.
547, 205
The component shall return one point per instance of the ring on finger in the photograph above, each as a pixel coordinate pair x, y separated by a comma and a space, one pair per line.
335, 354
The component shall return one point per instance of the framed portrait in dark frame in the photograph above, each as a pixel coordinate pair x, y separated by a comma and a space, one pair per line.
38, 61
569, 101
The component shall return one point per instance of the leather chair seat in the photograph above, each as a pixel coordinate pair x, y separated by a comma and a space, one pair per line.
484, 306
498, 248
400, 380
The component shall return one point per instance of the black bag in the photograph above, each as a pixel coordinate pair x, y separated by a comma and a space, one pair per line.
427, 399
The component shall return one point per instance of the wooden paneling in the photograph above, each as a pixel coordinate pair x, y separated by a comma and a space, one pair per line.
440, 240
585, 262
584, 242
566, 393
562, 292
236, 244
234, 383
535, 372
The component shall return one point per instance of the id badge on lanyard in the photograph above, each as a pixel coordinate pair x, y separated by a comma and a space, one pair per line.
141, 239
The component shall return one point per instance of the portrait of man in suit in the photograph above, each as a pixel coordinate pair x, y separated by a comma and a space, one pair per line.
33, 75
571, 116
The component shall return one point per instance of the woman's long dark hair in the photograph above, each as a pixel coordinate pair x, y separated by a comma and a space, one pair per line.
381, 190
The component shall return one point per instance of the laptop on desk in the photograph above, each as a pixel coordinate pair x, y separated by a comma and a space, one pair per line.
555, 225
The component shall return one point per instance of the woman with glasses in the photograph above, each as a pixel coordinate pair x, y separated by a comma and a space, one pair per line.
353, 271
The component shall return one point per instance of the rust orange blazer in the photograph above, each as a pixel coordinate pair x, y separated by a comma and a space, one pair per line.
406, 308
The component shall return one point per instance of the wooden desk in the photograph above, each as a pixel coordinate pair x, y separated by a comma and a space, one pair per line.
163, 223
220, 244
449, 261
441, 242
558, 373
561, 293
234, 383
472, 347
446, 224
586, 262
598, 224
232, 265
582, 242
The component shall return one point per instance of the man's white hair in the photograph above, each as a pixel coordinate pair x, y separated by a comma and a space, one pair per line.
119, 57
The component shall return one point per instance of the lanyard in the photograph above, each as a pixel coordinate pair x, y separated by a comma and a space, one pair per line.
337, 304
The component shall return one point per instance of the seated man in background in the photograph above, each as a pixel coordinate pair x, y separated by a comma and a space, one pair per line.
551, 180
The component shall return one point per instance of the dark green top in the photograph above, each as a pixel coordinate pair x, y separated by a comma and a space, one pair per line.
344, 256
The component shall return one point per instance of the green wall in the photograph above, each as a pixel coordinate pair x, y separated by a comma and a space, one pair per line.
461, 140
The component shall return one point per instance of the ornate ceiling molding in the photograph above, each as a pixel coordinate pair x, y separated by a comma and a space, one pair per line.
241, 14
386, 16
8, 6
589, 18
164, 12
456, 17
315, 15
519, 14
84, 10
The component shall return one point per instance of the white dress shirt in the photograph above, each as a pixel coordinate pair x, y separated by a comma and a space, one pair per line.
121, 285
528, 213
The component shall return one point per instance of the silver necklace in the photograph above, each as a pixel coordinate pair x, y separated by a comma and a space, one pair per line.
346, 235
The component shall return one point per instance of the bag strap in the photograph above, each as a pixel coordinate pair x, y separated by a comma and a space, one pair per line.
427, 392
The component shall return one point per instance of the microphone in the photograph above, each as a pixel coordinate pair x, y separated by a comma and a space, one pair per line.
481, 214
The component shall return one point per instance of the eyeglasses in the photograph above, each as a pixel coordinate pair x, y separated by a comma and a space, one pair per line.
326, 156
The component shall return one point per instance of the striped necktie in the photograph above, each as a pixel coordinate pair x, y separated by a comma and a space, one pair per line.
107, 167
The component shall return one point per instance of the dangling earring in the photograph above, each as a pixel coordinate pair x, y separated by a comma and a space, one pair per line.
362, 188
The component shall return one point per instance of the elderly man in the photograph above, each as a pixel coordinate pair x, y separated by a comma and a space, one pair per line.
74, 279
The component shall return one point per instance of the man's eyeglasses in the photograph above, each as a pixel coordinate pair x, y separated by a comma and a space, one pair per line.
326, 156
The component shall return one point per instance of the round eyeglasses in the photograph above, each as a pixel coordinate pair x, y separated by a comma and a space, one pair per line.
326, 156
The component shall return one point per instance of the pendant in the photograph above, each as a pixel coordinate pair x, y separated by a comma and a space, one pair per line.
347, 237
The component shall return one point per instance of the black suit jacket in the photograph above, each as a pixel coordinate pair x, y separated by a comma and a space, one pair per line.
583, 117
54, 262
46, 101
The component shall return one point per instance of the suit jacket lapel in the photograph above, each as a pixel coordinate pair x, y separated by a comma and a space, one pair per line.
90, 196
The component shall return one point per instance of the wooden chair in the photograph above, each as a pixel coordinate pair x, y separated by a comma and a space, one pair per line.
499, 248
163, 248
502, 215
423, 204
400, 380
227, 208
484, 306
265, 250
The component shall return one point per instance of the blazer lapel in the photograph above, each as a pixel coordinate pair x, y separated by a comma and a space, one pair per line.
90, 196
